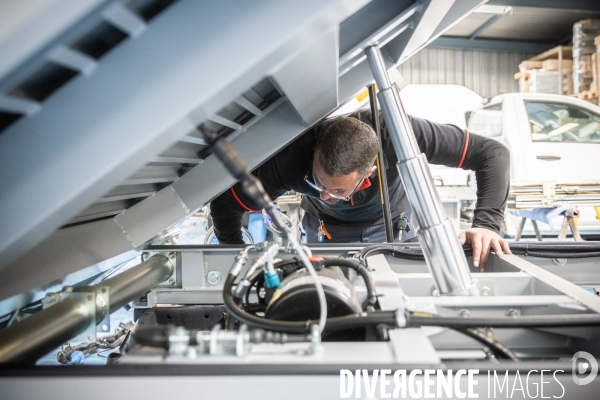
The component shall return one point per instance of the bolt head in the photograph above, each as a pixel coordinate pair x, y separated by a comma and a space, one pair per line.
90, 337
145, 256
172, 255
463, 313
213, 278
485, 291
171, 281
512, 312
262, 292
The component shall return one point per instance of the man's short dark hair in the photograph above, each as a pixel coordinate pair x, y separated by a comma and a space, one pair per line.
346, 145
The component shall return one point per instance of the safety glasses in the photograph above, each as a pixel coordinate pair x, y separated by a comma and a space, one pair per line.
335, 196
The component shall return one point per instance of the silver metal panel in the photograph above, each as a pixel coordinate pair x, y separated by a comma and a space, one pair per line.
104, 239
304, 71
411, 345
158, 212
465, 26
278, 126
50, 17
575, 292
426, 24
112, 132
18, 105
192, 278
73, 59
64, 252
125, 19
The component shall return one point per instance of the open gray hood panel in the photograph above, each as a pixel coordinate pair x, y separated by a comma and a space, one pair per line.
99, 151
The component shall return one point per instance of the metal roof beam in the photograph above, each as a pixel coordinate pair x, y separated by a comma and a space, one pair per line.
564, 5
485, 25
491, 45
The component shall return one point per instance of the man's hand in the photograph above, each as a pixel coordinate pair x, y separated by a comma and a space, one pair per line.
483, 240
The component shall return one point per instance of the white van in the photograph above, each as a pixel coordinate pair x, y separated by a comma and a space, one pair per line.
551, 138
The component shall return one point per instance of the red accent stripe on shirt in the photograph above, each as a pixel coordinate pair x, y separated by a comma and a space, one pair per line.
366, 183
464, 153
242, 204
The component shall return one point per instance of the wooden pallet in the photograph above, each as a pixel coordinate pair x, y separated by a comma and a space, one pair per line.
588, 95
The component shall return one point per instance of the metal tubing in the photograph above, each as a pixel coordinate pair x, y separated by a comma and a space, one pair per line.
26, 341
136, 281
383, 187
441, 248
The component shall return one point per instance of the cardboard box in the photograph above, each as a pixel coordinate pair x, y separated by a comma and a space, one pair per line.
527, 65
553, 65
541, 81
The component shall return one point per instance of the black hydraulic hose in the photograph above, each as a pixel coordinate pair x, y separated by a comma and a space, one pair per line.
390, 250
333, 324
554, 250
360, 269
528, 321
557, 246
500, 350
569, 255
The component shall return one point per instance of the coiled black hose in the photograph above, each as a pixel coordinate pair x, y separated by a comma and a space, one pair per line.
360, 269
333, 324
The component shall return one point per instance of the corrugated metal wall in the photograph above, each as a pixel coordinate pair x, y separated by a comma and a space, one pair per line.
487, 73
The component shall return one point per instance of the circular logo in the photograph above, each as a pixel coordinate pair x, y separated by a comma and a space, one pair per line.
584, 363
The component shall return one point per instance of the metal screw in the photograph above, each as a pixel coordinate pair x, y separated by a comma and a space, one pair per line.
145, 256
104, 327
172, 255
512, 312
464, 313
89, 297
559, 261
90, 337
485, 291
213, 278
262, 292
435, 293
172, 281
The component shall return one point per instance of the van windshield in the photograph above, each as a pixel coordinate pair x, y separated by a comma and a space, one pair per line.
487, 121
562, 122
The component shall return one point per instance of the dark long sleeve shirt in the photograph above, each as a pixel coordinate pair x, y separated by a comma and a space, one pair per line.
442, 144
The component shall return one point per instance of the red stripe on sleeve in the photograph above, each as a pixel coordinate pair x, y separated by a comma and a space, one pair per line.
464, 153
240, 202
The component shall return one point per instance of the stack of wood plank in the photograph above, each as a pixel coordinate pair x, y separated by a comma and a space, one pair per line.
585, 59
548, 72
553, 194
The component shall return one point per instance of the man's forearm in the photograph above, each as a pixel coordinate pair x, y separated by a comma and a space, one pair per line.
493, 182
227, 219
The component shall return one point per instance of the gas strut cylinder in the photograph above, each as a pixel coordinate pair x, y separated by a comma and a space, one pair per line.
443, 253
